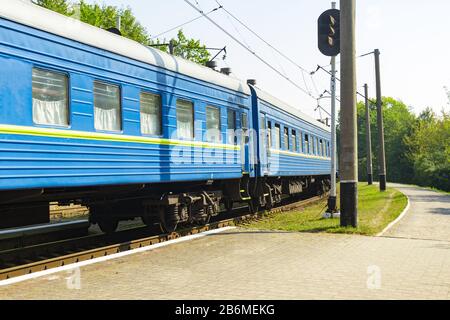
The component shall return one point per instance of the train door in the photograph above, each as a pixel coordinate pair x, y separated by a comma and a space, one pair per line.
245, 143
264, 137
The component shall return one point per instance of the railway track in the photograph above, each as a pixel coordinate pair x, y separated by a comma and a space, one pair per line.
31, 259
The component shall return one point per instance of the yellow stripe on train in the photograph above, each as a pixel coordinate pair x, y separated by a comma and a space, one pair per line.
58, 133
294, 154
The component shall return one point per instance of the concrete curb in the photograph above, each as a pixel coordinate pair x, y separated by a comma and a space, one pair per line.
400, 217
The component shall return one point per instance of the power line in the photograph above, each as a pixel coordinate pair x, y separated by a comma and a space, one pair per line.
185, 23
260, 38
250, 50
357, 92
360, 56
266, 42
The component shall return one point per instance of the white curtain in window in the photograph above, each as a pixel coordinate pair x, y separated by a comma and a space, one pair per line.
107, 108
150, 123
50, 112
150, 114
212, 124
107, 119
185, 119
184, 129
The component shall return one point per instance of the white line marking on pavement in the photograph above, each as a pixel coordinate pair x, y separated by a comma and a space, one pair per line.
111, 257
400, 217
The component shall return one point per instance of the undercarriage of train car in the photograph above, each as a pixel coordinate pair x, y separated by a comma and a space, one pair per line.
168, 205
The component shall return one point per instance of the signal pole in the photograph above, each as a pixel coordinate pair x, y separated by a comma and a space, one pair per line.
381, 153
368, 138
332, 208
349, 151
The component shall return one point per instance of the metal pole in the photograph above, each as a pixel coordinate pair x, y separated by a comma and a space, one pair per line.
118, 22
171, 46
348, 168
381, 153
332, 208
368, 138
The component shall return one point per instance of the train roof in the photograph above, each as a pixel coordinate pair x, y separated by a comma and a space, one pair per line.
34, 16
29, 14
288, 108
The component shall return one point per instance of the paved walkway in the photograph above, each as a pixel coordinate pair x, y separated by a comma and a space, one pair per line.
242, 264
428, 217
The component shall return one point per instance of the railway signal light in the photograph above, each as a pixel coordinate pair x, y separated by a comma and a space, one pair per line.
329, 32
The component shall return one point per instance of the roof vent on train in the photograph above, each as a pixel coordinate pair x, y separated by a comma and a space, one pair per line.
212, 64
251, 82
226, 71
116, 29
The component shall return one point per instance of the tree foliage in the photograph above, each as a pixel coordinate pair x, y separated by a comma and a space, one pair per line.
429, 150
105, 16
190, 49
417, 148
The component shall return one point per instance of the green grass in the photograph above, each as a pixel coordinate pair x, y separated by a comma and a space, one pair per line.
375, 211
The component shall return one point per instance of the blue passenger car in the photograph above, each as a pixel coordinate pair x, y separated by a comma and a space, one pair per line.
91, 117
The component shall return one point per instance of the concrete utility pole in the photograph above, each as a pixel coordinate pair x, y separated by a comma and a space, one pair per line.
349, 145
368, 138
381, 154
332, 199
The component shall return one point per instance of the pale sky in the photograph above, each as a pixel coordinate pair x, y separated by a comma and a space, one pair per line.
411, 35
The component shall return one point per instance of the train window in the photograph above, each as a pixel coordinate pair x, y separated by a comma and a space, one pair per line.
244, 121
307, 146
212, 124
277, 141
150, 114
244, 125
231, 121
107, 107
50, 98
185, 119
269, 134
286, 138
300, 145
328, 149
294, 141
314, 145
262, 127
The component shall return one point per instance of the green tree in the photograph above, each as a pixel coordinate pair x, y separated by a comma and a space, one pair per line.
60, 6
429, 150
398, 123
191, 49
105, 16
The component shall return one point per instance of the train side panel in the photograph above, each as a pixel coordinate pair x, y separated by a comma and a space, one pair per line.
38, 156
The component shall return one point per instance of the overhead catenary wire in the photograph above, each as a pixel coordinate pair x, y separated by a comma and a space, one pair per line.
360, 56
357, 92
185, 23
251, 51
261, 38
303, 70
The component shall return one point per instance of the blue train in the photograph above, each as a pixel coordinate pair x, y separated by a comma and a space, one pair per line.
90, 117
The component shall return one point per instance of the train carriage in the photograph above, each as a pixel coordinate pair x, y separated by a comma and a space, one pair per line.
91, 117
293, 150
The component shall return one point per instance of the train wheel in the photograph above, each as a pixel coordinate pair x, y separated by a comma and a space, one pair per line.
169, 219
108, 225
